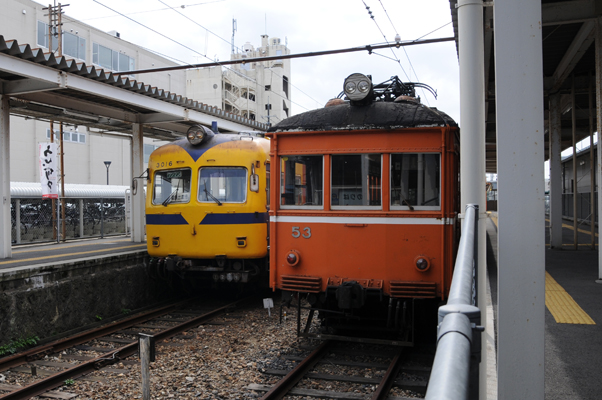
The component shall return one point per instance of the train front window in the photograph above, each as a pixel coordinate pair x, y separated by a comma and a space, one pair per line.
221, 184
301, 181
356, 180
415, 181
171, 186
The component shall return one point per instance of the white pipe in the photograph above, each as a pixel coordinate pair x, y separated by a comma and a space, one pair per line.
472, 141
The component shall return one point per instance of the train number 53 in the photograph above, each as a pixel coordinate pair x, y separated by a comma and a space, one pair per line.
297, 232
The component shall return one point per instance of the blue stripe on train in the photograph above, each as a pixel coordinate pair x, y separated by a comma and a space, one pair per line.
231, 219
165, 219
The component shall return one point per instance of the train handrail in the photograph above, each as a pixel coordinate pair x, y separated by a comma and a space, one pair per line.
455, 373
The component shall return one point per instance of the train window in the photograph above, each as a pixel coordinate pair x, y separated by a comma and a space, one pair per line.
171, 186
220, 184
415, 181
301, 181
356, 180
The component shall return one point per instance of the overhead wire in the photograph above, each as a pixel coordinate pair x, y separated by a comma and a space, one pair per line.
385, 37
396, 31
392, 51
191, 49
155, 10
238, 48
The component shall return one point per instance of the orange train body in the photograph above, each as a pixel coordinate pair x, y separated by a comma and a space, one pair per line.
364, 205
377, 248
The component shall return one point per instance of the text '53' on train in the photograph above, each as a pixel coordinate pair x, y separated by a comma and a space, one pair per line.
363, 209
206, 207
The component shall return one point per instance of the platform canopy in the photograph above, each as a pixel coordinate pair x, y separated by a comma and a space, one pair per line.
44, 86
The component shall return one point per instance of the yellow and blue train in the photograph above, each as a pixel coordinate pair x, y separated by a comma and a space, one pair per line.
207, 206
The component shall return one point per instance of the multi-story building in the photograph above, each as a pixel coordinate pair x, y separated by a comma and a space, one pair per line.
258, 90
242, 90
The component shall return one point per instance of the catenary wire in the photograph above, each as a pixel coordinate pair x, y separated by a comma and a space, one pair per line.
183, 45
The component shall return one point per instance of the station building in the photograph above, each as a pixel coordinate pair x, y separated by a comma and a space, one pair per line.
252, 90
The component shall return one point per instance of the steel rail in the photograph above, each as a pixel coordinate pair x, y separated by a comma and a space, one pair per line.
83, 337
107, 358
284, 385
382, 391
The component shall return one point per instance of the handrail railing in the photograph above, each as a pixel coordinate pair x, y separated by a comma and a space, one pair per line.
455, 373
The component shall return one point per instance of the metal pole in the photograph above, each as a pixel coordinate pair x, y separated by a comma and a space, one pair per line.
145, 365
63, 220
556, 177
521, 222
592, 175
5, 231
472, 141
574, 138
598, 45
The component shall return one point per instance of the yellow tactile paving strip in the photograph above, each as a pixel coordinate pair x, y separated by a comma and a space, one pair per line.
562, 306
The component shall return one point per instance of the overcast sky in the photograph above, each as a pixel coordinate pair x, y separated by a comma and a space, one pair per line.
306, 26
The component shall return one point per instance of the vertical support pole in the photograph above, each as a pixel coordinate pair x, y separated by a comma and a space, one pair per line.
5, 231
138, 197
81, 218
18, 221
63, 219
472, 140
145, 350
574, 142
592, 169
555, 174
102, 218
521, 226
598, 45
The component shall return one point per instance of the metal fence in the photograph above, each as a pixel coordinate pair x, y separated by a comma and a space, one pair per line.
38, 220
584, 206
455, 374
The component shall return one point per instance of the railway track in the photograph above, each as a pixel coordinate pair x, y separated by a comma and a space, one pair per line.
352, 371
102, 346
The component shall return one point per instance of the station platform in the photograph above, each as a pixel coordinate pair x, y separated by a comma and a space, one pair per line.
573, 315
54, 254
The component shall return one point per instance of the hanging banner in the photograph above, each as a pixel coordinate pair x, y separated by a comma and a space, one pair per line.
48, 170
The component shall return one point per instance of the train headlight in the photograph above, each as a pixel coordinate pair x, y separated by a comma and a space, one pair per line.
422, 263
357, 87
293, 257
197, 133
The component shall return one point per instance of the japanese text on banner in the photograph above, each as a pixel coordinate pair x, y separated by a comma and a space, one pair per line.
48, 170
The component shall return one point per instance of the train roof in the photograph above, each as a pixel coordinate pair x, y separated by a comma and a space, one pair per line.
195, 151
376, 115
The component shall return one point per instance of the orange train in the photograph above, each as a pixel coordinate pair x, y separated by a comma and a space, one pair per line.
363, 218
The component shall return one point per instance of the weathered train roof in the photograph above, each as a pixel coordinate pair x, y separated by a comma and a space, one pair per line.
377, 115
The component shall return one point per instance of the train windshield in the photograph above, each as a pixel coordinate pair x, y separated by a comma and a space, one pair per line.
171, 186
219, 184
301, 181
356, 180
415, 181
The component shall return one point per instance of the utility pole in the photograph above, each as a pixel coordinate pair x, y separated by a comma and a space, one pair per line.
233, 32
55, 29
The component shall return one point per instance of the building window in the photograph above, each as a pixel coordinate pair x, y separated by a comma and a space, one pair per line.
148, 149
285, 85
68, 136
111, 59
268, 88
73, 45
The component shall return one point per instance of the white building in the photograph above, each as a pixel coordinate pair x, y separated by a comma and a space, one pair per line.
257, 90
86, 150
